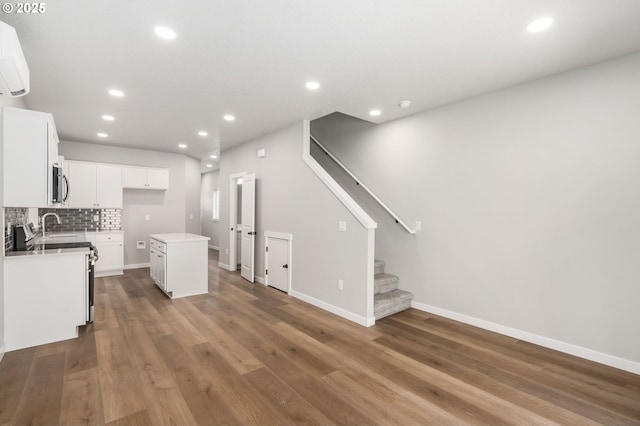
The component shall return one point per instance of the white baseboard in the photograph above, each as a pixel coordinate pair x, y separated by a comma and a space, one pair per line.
137, 265
367, 322
260, 280
2, 351
225, 266
214, 247
568, 348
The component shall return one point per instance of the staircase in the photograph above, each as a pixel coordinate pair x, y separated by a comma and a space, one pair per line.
387, 299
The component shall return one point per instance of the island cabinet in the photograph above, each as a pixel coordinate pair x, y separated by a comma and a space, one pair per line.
179, 263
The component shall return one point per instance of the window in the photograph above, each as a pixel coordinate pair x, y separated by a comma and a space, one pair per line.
216, 204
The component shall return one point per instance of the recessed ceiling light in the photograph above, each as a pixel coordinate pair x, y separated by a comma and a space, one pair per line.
313, 85
116, 92
539, 25
209, 165
108, 117
182, 145
202, 133
404, 104
229, 117
375, 112
213, 156
103, 135
165, 33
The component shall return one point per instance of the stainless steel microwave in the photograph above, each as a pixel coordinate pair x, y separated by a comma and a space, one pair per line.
60, 185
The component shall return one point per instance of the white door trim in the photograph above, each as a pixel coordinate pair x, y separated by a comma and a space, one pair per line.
248, 252
233, 215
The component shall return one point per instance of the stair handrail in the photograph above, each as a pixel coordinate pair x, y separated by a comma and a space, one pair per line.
363, 186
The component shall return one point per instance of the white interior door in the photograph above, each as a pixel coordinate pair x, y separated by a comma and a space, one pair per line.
278, 264
248, 226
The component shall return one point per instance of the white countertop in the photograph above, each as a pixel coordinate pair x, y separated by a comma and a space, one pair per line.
179, 237
104, 232
61, 237
48, 252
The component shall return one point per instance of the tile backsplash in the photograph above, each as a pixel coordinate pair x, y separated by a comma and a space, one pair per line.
13, 216
71, 220
84, 220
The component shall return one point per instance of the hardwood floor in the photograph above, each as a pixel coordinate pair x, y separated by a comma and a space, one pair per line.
248, 354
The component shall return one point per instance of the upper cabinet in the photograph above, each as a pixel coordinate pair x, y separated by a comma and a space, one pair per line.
30, 152
145, 178
94, 185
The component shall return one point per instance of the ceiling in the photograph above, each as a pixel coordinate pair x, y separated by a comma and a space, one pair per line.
252, 58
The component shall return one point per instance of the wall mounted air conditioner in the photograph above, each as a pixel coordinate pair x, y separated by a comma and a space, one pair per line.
14, 72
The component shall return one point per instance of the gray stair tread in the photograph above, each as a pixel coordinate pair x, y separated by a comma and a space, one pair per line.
395, 301
384, 283
392, 296
378, 266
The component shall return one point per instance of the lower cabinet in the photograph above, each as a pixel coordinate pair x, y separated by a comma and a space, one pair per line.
158, 264
110, 247
45, 297
179, 264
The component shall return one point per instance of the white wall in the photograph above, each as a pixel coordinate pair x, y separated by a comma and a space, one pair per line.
210, 227
291, 199
16, 103
530, 203
169, 210
192, 196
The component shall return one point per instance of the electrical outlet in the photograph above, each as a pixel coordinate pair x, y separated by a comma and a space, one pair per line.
147, 217
141, 245
418, 225
342, 226
191, 216
340, 285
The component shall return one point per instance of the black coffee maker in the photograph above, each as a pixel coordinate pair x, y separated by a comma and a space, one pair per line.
23, 237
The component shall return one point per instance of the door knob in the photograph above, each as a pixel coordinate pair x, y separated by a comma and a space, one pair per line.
285, 266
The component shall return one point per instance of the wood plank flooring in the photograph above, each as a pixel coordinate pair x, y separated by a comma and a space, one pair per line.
248, 354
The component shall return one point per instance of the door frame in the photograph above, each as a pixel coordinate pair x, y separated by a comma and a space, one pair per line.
248, 235
289, 239
233, 220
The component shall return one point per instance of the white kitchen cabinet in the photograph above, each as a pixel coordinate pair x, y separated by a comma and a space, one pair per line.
30, 148
45, 296
94, 185
145, 178
179, 264
110, 245
158, 263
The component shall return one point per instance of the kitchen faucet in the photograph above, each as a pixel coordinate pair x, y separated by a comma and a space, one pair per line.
44, 216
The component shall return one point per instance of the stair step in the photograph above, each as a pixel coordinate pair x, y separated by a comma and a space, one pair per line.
378, 267
384, 283
385, 304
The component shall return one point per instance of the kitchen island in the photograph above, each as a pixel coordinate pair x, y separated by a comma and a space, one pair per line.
179, 263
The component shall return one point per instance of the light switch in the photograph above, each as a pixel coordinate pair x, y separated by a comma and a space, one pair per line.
262, 153
418, 225
147, 217
342, 226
